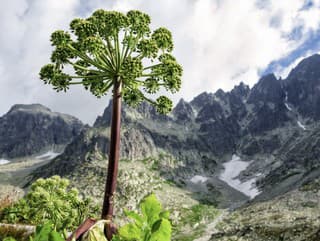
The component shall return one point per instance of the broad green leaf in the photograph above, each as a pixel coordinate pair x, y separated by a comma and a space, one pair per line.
42, 233
135, 217
55, 236
153, 225
165, 214
116, 238
151, 208
156, 226
163, 231
130, 232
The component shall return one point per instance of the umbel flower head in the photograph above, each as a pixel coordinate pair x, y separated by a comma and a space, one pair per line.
110, 47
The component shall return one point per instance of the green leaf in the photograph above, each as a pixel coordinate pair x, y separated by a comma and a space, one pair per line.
42, 232
156, 226
153, 225
55, 236
135, 217
116, 237
165, 214
130, 232
9, 239
162, 231
150, 208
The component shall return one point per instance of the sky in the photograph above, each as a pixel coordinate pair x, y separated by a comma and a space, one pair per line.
218, 42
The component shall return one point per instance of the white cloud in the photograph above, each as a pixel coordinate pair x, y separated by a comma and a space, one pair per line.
232, 43
219, 43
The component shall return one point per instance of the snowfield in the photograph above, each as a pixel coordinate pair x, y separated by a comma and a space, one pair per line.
198, 179
231, 171
48, 155
3, 161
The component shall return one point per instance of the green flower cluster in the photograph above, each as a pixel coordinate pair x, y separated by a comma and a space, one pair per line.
110, 48
50, 200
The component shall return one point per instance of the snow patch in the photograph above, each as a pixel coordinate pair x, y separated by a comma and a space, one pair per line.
3, 161
286, 103
288, 107
301, 125
286, 98
48, 155
232, 169
195, 112
198, 179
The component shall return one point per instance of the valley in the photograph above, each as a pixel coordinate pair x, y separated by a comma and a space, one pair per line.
16, 171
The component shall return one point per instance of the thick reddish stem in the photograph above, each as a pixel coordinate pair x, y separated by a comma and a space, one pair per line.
114, 150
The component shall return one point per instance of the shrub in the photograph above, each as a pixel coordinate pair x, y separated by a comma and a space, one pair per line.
51, 200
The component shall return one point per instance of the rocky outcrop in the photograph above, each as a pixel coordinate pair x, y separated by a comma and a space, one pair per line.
303, 87
183, 112
28, 129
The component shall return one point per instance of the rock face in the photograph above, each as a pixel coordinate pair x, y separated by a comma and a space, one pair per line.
28, 129
276, 124
183, 112
303, 87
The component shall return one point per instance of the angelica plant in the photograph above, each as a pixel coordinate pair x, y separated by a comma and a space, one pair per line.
113, 51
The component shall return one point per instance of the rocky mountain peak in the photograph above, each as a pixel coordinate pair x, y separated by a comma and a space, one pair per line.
220, 94
201, 100
268, 89
183, 111
130, 114
28, 129
308, 67
105, 118
303, 87
29, 108
241, 90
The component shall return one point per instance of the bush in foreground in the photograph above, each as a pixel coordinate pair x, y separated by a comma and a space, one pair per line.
50, 200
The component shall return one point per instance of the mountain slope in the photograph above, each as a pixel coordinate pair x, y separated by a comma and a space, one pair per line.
265, 126
29, 129
291, 217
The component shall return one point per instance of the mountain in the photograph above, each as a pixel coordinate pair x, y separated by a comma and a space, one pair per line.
29, 129
303, 87
272, 127
254, 151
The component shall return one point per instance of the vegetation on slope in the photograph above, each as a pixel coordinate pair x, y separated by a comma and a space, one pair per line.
291, 217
